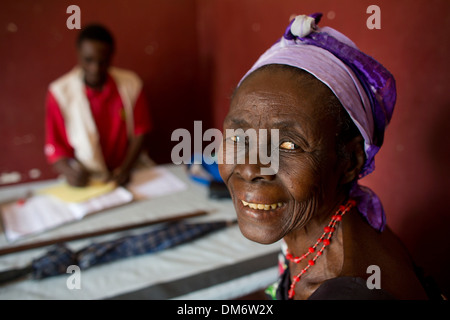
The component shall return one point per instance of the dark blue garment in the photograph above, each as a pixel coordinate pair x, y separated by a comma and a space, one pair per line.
340, 288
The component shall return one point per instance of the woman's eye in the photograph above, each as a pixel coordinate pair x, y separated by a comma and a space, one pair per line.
288, 146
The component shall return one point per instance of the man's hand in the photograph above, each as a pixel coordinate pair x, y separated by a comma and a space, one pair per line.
73, 171
120, 177
122, 174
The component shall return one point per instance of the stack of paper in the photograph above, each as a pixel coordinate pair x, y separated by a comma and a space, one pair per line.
155, 182
58, 205
61, 203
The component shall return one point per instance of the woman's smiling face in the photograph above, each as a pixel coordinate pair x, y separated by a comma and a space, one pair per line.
307, 184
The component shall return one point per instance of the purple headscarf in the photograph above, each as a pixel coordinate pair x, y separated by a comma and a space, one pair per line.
363, 86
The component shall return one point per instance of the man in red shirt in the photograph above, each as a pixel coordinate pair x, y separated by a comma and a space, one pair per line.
97, 117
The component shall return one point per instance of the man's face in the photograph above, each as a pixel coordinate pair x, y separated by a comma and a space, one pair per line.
94, 57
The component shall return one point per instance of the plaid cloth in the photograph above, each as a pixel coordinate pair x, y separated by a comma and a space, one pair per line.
54, 262
57, 260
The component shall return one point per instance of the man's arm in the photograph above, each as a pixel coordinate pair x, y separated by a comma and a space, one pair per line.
58, 150
121, 175
74, 172
142, 127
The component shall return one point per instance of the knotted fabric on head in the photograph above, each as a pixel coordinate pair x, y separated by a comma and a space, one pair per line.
364, 87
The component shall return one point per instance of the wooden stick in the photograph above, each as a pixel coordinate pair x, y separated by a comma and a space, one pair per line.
28, 246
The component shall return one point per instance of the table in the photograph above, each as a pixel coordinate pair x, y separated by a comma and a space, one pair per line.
219, 266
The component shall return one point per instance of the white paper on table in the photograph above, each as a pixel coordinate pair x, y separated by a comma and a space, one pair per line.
115, 198
38, 213
42, 212
155, 182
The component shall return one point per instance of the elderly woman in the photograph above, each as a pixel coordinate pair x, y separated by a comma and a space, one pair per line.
331, 104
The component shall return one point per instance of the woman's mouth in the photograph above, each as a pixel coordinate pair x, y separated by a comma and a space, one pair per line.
262, 206
260, 212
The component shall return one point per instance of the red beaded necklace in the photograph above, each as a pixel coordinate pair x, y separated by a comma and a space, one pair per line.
324, 239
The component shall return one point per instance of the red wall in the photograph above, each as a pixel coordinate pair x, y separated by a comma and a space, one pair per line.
192, 53
157, 39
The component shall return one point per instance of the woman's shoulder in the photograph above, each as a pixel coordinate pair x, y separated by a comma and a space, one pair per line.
366, 248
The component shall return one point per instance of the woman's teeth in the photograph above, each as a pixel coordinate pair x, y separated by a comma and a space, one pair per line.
261, 206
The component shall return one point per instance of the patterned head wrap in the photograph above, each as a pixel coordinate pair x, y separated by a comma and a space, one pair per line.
364, 87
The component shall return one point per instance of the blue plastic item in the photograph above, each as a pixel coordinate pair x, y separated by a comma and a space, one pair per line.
205, 171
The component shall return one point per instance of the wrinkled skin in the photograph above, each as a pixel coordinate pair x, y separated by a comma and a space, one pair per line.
311, 182
310, 179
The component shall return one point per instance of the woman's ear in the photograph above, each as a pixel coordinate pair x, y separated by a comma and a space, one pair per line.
355, 159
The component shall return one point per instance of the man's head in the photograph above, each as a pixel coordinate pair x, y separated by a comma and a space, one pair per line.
95, 46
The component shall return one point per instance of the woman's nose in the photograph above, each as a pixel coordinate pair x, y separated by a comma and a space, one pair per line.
253, 169
252, 173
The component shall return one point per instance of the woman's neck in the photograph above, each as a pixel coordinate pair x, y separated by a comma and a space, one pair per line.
328, 265
301, 239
